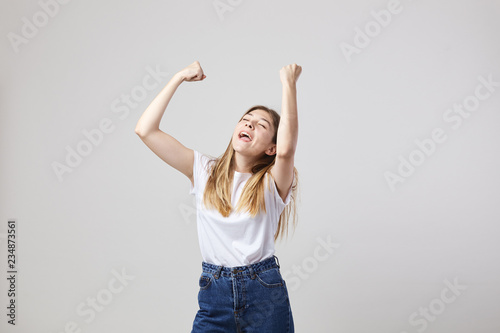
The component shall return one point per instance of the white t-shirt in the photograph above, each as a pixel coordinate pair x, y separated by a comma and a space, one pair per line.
239, 239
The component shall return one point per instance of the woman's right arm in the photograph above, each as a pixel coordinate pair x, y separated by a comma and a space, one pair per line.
162, 144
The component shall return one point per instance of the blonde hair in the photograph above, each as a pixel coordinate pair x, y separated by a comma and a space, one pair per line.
217, 193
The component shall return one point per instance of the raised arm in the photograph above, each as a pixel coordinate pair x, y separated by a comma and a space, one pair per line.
162, 144
288, 130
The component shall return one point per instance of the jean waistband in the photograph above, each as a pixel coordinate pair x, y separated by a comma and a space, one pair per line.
218, 270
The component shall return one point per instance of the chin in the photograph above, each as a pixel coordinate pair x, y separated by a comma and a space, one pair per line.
241, 150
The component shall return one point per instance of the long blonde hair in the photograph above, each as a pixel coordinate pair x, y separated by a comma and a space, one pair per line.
217, 193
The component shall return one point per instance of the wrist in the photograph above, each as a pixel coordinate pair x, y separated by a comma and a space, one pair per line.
289, 85
178, 77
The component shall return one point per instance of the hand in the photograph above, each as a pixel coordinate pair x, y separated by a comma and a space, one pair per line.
192, 73
290, 73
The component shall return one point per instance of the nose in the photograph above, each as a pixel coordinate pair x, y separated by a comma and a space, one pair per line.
249, 125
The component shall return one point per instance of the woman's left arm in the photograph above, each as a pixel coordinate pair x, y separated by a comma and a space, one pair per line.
288, 130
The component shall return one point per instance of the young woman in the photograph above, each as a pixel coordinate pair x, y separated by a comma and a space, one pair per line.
240, 200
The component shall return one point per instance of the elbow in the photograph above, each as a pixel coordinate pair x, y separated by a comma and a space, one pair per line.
140, 132
143, 133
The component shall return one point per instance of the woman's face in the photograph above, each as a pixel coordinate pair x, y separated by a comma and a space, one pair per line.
258, 125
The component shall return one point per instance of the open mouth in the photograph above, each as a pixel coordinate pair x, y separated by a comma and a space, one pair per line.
244, 136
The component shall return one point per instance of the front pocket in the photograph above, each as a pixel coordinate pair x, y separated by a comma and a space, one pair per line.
270, 278
204, 281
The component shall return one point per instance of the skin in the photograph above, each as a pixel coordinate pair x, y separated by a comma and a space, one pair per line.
262, 132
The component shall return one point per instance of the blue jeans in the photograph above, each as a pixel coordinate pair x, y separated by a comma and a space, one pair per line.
252, 298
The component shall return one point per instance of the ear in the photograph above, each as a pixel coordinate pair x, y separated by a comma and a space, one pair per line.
271, 150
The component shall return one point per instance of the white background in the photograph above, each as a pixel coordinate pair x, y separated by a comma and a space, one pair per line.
122, 208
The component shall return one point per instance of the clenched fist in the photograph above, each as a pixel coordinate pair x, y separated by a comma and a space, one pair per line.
192, 73
290, 73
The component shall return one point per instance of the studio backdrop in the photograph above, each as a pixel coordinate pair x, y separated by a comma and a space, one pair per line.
397, 157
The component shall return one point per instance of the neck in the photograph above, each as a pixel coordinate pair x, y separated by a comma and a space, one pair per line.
242, 163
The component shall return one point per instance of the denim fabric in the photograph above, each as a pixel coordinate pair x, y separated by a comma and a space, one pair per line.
252, 298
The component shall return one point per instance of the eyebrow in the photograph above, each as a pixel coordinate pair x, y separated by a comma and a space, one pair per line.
260, 119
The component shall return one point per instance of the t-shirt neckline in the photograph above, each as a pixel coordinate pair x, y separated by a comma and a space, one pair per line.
243, 173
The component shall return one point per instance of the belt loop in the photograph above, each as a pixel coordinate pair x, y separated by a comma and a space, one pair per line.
277, 261
217, 273
252, 272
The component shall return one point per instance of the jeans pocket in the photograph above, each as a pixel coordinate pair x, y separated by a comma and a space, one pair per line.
270, 278
205, 280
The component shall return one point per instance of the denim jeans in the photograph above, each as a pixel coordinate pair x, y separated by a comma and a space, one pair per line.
252, 298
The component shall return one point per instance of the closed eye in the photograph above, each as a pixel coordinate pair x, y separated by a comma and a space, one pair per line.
259, 124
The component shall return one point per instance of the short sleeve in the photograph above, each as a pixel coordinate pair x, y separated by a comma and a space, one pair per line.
199, 167
277, 196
